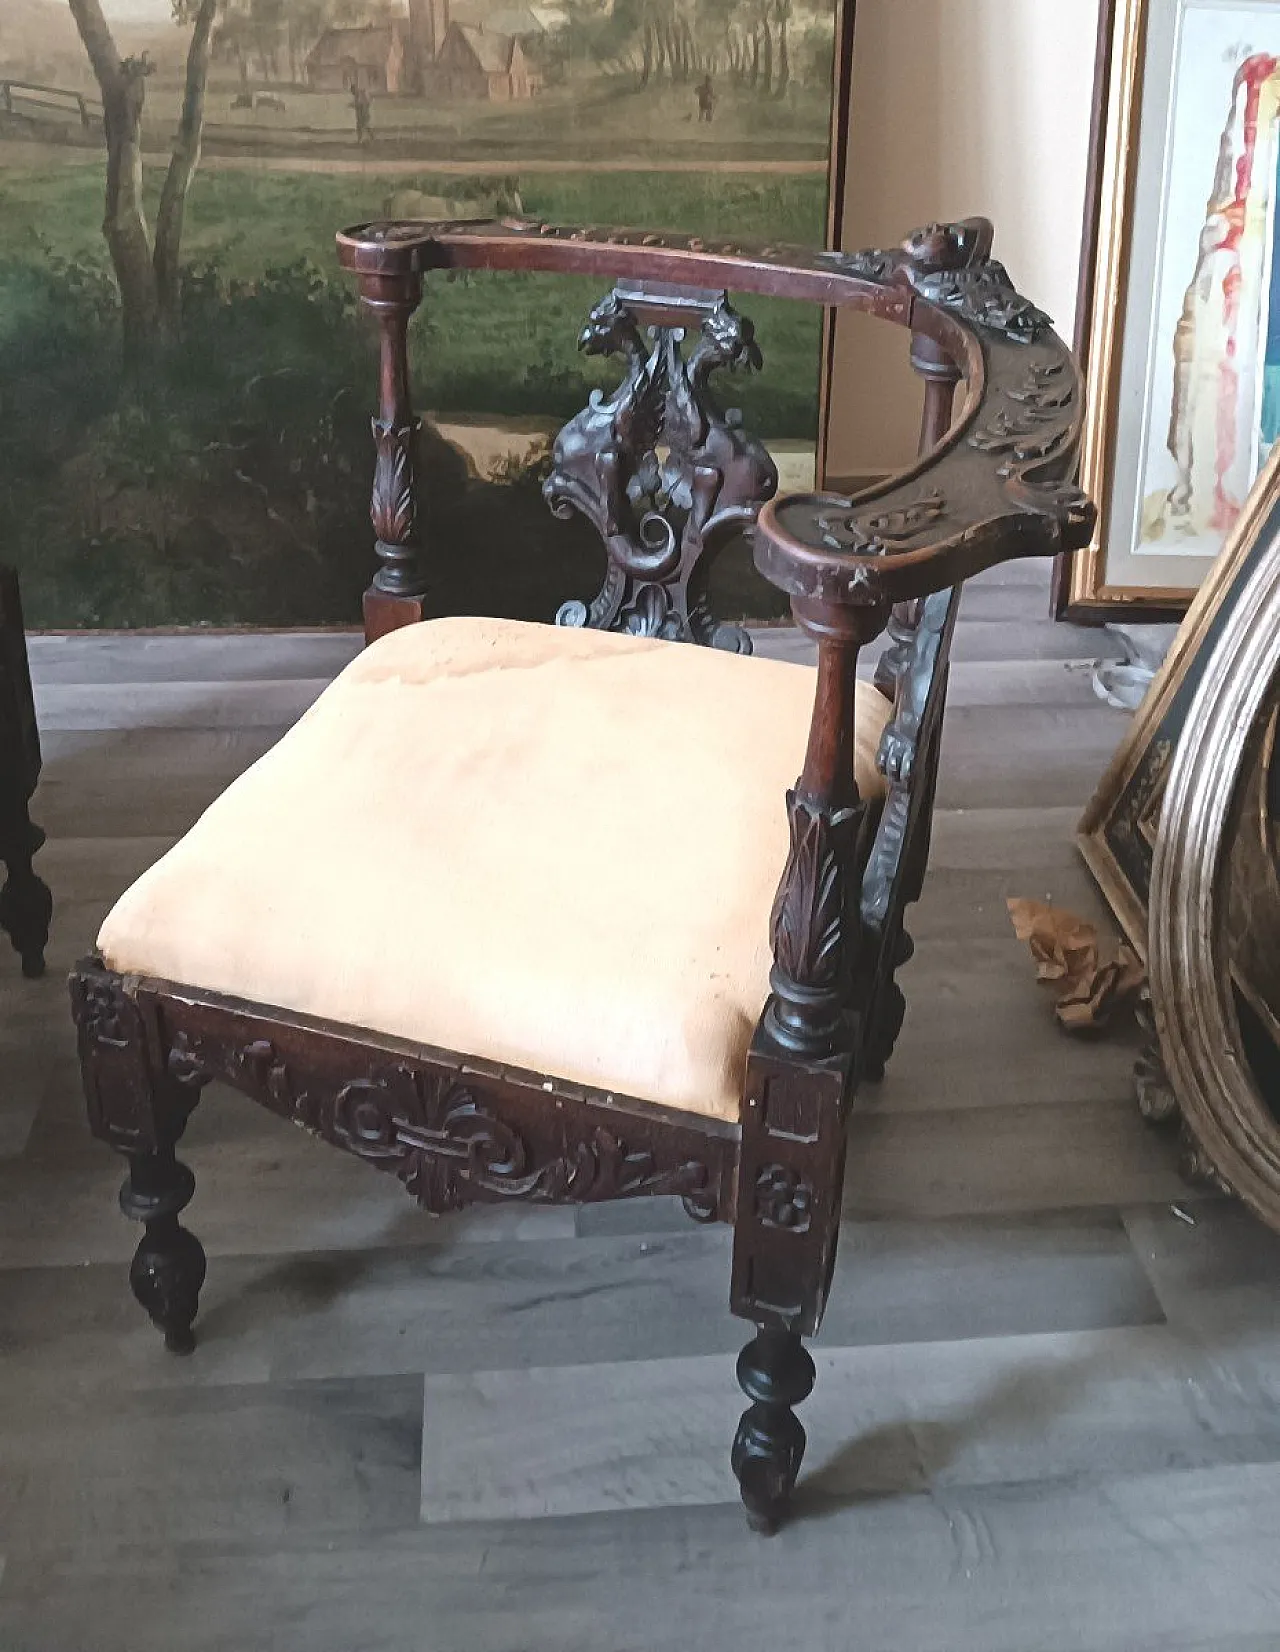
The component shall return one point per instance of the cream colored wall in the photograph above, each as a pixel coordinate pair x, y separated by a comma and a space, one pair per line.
959, 107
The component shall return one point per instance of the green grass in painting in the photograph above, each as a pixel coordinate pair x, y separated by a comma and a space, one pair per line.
232, 487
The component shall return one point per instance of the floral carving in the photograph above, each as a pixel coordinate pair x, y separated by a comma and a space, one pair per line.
1076, 512
392, 509
1047, 386
184, 1064
783, 1199
1030, 434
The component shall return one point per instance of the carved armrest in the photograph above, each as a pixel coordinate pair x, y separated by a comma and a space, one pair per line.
998, 483
997, 486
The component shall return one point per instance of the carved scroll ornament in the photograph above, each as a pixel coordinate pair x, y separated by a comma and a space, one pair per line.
440, 1134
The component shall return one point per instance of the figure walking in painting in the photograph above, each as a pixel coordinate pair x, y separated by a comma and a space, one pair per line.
362, 103
706, 100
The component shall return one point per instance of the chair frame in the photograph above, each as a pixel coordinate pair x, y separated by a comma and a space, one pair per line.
994, 483
26, 905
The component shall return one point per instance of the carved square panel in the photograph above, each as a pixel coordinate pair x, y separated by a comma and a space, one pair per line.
791, 1111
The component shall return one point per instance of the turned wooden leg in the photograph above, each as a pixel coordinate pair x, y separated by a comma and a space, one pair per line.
169, 1264
775, 1372
26, 906
139, 1098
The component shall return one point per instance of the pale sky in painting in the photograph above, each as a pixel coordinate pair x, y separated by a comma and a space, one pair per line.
137, 11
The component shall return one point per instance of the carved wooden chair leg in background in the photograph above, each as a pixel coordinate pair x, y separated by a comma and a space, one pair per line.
26, 906
723, 1070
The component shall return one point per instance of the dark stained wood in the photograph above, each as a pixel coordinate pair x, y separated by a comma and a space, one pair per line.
26, 905
995, 483
1001, 484
665, 477
775, 1372
454, 1131
395, 597
913, 673
140, 1108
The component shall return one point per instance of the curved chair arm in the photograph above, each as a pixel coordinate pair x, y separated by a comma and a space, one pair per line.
999, 484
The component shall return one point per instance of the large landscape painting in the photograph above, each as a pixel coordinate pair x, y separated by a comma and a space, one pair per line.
185, 378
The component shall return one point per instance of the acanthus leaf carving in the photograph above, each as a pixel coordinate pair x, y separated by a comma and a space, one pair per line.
805, 925
812, 925
877, 533
868, 263
984, 295
391, 508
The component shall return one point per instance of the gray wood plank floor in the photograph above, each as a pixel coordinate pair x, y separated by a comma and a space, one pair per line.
1047, 1405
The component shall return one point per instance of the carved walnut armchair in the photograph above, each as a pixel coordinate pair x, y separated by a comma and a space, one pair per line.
498, 1020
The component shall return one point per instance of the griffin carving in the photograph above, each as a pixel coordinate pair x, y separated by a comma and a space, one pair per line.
661, 472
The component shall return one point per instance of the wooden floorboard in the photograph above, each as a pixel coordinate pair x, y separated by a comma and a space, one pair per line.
883, 1421
1162, 1562
1046, 1416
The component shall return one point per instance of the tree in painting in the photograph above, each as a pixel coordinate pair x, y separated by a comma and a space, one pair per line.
146, 267
171, 176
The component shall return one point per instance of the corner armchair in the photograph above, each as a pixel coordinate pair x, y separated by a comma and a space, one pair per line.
482, 1009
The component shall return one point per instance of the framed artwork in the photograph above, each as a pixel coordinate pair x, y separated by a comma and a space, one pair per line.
185, 396
1214, 930
1118, 832
1180, 325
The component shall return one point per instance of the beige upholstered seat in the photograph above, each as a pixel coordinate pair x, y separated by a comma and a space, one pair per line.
552, 848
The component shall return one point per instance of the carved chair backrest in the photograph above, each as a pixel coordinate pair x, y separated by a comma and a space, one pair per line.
666, 476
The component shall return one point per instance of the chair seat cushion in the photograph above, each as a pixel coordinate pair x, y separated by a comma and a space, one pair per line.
555, 849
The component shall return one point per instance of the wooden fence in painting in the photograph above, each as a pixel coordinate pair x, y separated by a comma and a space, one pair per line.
48, 105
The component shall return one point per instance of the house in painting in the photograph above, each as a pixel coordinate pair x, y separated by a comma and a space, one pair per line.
429, 53
375, 56
479, 62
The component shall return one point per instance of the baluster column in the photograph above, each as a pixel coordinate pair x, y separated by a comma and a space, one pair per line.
397, 595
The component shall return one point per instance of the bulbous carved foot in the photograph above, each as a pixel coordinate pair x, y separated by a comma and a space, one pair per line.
775, 1372
168, 1267
26, 909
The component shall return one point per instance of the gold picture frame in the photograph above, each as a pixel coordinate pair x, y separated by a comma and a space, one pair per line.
1215, 892
1127, 234
1118, 831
